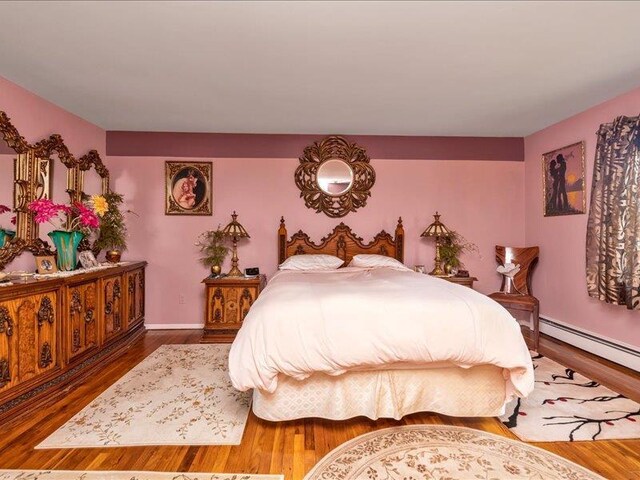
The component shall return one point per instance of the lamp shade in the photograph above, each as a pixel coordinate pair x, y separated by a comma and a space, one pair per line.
234, 229
436, 229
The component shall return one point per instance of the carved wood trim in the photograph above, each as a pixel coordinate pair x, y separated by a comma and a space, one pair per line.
217, 304
5, 373
246, 300
341, 242
10, 134
45, 312
76, 343
6, 323
55, 144
76, 301
45, 356
335, 147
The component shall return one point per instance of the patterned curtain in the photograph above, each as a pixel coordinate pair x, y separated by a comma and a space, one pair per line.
613, 229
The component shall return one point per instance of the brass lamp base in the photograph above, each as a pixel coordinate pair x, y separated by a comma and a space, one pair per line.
437, 268
235, 271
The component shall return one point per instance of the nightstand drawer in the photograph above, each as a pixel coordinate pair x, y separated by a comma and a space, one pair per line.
228, 302
466, 281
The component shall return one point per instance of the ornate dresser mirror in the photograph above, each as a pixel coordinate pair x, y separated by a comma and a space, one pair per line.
42, 170
91, 177
335, 176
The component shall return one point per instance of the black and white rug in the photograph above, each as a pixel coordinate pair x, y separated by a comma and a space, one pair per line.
566, 406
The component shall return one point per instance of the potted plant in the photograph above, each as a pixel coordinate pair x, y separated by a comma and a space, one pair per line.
451, 248
211, 244
6, 234
112, 235
72, 223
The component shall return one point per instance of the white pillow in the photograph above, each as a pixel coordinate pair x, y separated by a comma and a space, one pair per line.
376, 261
311, 262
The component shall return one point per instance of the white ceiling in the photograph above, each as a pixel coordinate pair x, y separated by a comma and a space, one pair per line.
404, 68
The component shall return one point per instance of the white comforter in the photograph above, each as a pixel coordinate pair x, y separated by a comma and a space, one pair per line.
353, 318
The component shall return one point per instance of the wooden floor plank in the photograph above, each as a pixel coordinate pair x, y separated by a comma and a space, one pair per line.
291, 448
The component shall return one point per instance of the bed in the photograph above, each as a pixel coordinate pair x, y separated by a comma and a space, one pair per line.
374, 342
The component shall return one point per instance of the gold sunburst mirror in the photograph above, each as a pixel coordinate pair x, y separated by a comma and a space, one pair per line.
335, 176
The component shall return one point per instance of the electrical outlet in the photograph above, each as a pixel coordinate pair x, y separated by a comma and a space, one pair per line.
181, 299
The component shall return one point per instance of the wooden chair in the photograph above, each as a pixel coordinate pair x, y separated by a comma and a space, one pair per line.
517, 297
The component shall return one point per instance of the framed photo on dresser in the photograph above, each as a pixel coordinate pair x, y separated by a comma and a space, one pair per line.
188, 188
563, 181
46, 264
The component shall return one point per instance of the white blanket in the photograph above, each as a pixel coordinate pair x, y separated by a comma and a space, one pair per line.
353, 318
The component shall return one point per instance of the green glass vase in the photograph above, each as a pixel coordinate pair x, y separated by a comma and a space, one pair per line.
5, 236
66, 244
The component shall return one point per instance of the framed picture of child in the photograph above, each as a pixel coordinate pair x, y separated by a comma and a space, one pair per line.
563, 180
188, 188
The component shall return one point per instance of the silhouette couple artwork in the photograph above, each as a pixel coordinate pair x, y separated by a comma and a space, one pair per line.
558, 171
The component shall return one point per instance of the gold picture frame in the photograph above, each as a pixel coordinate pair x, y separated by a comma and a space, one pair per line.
46, 264
564, 181
188, 188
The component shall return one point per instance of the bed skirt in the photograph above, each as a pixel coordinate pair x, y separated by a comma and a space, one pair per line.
473, 392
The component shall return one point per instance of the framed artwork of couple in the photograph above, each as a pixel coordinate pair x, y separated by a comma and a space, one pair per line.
188, 188
564, 181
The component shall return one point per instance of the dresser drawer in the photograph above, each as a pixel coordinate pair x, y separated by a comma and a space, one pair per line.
82, 328
29, 346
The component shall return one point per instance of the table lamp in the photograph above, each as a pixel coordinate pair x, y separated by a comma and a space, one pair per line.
438, 231
235, 231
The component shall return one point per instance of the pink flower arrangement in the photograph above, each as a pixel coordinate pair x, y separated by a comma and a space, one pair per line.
79, 217
88, 217
5, 209
46, 210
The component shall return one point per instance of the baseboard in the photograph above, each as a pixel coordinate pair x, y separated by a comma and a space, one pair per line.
175, 326
613, 350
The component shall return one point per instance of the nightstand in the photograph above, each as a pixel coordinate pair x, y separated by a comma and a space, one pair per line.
466, 281
228, 302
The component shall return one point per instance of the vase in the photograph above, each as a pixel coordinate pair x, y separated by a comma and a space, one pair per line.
215, 270
5, 236
113, 256
66, 244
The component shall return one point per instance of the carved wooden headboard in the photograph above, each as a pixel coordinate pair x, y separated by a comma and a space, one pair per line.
341, 242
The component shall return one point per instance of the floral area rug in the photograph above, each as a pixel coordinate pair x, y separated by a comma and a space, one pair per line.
104, 475
443, 452
566, 407
179, 395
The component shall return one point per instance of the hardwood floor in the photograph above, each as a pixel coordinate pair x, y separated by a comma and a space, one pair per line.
291, 448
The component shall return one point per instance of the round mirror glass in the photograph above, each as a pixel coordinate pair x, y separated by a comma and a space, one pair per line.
335, 177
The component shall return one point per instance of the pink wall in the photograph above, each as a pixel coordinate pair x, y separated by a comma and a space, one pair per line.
559, 281
36, 118
483, 200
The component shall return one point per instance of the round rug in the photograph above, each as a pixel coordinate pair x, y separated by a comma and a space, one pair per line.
440, 451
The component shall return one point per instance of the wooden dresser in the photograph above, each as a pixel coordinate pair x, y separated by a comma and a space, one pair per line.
228, 302
54, 331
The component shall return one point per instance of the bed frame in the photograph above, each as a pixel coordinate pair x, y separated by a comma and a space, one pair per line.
341, 242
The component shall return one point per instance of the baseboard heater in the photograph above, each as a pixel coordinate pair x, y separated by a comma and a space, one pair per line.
609, 349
